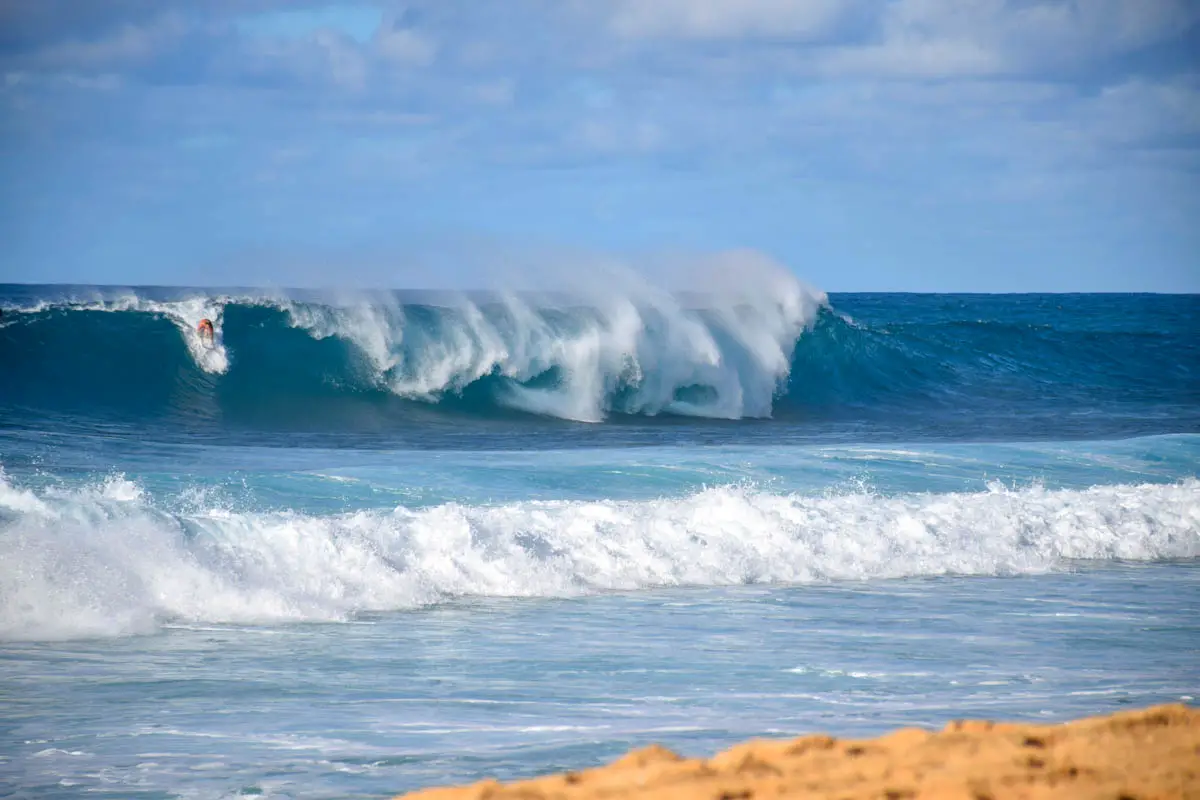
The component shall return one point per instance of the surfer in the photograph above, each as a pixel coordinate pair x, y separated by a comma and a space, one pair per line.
205, 330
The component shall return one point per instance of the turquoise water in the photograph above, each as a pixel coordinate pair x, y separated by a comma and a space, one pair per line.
370, 544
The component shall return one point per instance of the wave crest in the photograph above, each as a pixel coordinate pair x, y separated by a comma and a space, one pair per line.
638, 350
633, 348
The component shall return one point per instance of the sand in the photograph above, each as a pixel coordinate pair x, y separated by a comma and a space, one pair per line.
1151, 753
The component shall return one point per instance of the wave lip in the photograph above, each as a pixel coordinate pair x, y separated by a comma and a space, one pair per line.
104, 560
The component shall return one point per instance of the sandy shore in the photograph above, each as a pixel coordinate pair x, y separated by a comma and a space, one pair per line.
1152, 753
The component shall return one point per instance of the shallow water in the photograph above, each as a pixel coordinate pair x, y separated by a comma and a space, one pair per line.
516, 687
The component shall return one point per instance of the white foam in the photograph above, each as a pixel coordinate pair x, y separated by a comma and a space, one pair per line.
630, 334
103, 560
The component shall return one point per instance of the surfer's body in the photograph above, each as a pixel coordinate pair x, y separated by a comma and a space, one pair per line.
205, 331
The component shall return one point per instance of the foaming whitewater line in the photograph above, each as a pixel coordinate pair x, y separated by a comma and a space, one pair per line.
103, 560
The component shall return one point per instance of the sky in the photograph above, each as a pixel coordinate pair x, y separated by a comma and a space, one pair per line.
868, 145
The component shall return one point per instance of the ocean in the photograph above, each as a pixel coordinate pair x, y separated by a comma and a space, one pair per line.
369, 542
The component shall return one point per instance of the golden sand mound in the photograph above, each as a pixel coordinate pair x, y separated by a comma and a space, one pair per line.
1153, 753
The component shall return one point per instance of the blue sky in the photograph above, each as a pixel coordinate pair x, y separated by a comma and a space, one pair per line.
923, 145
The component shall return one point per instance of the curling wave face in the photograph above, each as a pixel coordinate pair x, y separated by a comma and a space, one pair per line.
636, 351
766, 349
105, 559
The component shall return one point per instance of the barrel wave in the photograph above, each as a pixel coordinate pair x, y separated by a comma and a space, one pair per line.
777, 352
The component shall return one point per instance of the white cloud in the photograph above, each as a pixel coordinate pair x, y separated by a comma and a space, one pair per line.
1140, 112
346, 64
953, 38
33, 80
816, 107
615, 136
495, 93
104, 82
129, 44
913, 57
404, 46
726, 19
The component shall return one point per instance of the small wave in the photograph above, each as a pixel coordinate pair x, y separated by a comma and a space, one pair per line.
104, 560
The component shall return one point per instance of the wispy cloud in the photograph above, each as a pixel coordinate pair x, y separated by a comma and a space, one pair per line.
729, 19
402, 45
944, 38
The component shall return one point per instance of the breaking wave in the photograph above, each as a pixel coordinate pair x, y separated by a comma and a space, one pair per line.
106, 560
764, 347
633, 350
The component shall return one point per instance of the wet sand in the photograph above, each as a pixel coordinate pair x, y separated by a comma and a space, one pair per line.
1151, 753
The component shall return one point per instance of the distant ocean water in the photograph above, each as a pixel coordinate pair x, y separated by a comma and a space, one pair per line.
372, 542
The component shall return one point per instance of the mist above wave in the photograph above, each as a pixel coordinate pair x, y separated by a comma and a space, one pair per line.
574, 357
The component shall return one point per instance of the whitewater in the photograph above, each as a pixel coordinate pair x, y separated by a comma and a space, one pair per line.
102, 561
372, 541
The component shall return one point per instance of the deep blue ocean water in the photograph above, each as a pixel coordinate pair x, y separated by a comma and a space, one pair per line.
376, 541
